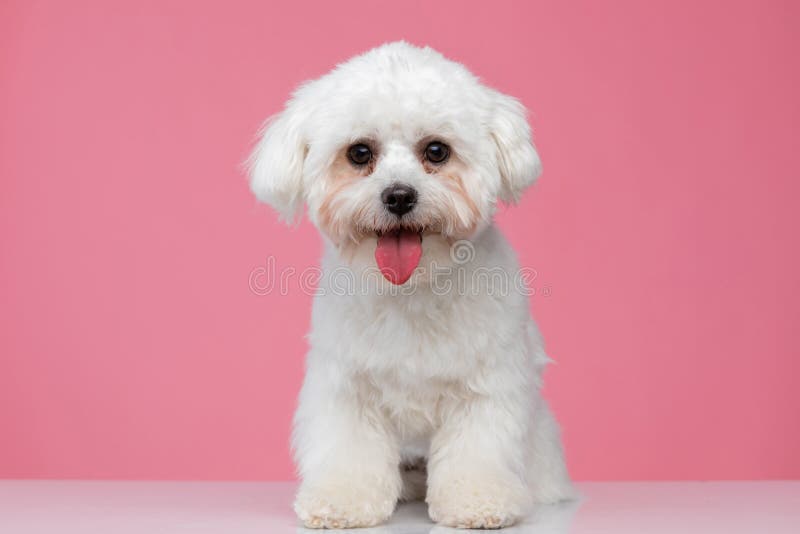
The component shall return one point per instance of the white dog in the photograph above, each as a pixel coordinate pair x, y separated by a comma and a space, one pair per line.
423, 375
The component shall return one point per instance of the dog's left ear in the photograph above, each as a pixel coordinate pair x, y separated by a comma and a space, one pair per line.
517, 159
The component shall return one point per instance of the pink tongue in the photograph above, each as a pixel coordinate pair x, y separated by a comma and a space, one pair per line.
398, 254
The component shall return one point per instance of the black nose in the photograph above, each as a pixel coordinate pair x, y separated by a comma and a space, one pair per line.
399, 198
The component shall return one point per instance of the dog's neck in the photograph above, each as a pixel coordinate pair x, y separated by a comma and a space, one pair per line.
450, 269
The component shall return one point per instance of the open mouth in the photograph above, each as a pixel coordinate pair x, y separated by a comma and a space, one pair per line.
398, 253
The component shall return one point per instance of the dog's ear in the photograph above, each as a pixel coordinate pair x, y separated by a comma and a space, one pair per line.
517, 159
276, 165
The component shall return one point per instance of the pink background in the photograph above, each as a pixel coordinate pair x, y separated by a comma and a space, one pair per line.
664, 229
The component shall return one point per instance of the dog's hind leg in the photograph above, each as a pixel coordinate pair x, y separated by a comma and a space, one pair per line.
547, 472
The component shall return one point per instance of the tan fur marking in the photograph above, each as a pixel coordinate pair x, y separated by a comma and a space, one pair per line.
341, 175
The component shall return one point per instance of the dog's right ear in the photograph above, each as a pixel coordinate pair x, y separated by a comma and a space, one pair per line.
276, 165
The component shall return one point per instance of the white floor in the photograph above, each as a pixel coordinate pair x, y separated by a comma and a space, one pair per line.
264, 507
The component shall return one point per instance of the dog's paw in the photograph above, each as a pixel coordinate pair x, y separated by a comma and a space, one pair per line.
483, 515
343, 506
478, 504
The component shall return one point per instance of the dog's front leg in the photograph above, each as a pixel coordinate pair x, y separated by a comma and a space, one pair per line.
348, 460
477, 464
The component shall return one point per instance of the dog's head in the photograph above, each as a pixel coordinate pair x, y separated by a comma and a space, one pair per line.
392, 148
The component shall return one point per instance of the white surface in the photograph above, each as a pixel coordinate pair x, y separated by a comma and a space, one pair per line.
264, 507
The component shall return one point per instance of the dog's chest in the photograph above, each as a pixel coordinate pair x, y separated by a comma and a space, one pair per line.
415, 406
417, 358
421, 360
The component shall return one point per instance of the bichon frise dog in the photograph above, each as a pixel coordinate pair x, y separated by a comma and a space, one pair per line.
424, 369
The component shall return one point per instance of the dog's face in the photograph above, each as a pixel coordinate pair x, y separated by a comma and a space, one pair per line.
393, 149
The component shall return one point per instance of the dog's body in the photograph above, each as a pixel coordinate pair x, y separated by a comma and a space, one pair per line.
427, 386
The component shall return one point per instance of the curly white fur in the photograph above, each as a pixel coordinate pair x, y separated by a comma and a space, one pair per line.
421, 392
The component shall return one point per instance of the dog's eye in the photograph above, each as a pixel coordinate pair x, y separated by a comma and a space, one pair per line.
359, 154
437, 152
